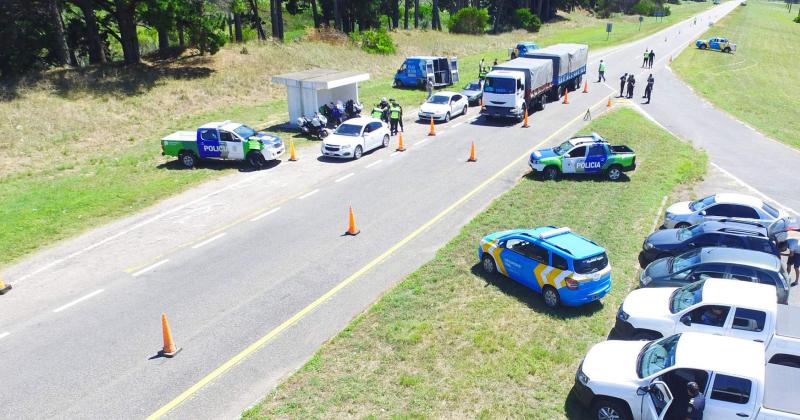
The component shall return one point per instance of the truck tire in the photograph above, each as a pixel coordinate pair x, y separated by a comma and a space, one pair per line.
187, 158
550, 297
551, 173
540, 103
578, 82
609, 409
614, 173
256, 159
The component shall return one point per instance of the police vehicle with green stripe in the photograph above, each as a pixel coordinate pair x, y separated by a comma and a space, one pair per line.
589, 154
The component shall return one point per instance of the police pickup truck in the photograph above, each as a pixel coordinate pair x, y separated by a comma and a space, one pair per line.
590, 154
224, 141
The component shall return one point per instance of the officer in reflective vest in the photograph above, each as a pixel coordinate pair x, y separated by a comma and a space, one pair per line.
377, 112
395, 115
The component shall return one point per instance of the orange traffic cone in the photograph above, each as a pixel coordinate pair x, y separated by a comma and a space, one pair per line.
472, 153
292, 156
4, 288
586, 87
169, 346
352, 230
525, 119
608, 104
566, 96
433, 129
400, 147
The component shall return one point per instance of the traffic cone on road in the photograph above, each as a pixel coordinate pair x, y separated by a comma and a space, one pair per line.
400, 147
169, 350
352, 230
292, 156
566, 96
586, 87
432, 132
608, 104
4, 288
525, 119
472, 153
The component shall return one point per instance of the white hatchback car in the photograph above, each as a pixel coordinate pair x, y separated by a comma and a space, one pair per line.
443, 105
719, 206
355, 137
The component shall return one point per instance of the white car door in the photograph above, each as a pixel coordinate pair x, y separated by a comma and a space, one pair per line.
730, 397
709, 319
233, 145
572, 158
656, 402
376, 135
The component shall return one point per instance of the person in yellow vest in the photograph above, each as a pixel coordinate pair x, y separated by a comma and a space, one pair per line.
646, 58
395, 115
377, 112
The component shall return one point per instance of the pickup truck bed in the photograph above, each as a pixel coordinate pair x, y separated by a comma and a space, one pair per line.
780, 394
182, 136
621, 149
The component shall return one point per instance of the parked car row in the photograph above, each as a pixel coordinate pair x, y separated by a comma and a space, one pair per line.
688, 322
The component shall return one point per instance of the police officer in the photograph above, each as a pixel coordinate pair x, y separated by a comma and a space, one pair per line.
648, 90
697, 402
631, 84
377, 112
622, 81
385, 107
601, 71
395, 114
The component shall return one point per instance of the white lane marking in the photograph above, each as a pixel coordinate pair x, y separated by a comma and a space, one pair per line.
78, 300
658, 213
149, 267
420, 142
4, 335
457, 124
394, 154
265, 214
308, 194
345, 177
374, 163
211, 239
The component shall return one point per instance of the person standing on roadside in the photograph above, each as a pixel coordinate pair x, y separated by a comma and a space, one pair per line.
429, 86
394, 116
622, 81
650, 58
648, 90
697, 402
793, 246
601, 71
646, 56
631, 84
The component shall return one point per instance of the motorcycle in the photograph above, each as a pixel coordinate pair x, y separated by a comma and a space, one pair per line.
352, 109
333, 112
314, 126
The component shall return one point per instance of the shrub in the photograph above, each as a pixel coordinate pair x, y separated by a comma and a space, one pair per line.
524, 19
375, 41
797, 19
469, 20
644, 8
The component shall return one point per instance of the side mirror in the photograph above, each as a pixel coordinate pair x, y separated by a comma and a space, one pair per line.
643, 390
686, 320
702, 212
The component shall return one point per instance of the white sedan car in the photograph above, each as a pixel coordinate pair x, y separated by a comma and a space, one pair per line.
443, 105
355, 137
719, 206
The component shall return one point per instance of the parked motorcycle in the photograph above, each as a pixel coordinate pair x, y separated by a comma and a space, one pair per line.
334, 112
314, 126
352, 109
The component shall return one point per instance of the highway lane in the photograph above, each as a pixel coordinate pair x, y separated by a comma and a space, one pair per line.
91, 358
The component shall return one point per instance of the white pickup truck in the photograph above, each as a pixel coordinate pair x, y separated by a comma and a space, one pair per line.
639, 380
713, 306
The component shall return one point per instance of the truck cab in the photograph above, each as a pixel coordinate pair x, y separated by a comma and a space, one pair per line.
415, 72
505, 90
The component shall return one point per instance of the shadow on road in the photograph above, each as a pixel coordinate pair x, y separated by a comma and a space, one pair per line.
218, 165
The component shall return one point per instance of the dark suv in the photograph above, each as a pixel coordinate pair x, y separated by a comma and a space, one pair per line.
718, 262
730, 234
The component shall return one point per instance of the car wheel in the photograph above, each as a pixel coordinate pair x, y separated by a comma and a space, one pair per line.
682, 225
614, 172
464, 112
646, 336
386, 140
323, 133
447, 117
702, 46
609, 410
357, 153
256, 159
727, 50
551, 298
488, 264
551, 173
187, 159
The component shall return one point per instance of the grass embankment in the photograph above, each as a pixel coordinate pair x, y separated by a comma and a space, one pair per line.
757, 84
82, 146
451, 342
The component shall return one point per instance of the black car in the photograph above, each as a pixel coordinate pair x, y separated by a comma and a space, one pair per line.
730, 234
473, 92
718, 262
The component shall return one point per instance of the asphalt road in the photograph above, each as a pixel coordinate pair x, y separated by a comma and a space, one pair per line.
253, 271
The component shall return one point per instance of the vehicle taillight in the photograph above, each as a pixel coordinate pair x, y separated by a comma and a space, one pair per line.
572, 284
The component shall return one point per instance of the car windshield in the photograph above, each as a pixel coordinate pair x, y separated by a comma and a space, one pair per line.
686, 233
499, 85
351, 130
684, 261
563, 148
245, 132
439, 99
592, 264
701, 203
686, 296
657, 356
472, 86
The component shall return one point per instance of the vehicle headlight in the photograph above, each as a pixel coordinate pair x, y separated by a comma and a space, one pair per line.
668, 215
645, 279
344, 146
648, 246
622, 315
580, 376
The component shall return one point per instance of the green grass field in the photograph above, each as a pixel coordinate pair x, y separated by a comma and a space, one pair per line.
63, 175
451, 342
757, 84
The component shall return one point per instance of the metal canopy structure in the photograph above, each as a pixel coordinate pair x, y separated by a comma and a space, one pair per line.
308, 90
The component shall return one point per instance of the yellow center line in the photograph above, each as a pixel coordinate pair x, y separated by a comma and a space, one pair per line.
319, 301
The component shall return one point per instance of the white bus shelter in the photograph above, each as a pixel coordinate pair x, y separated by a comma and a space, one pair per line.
310, 89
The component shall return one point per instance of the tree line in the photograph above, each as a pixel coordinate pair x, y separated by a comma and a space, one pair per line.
38, 34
